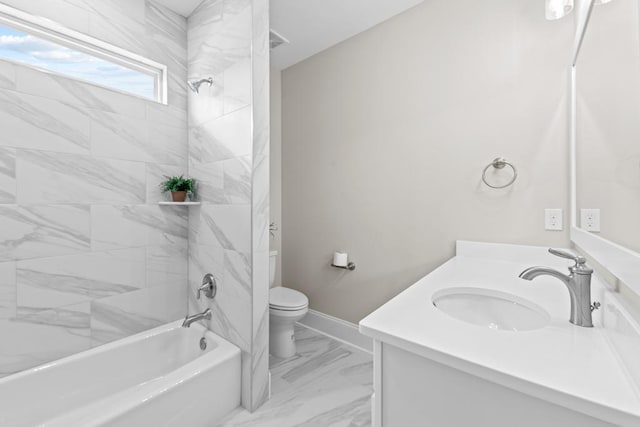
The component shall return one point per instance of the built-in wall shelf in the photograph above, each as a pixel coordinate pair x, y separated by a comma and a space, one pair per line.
178, 203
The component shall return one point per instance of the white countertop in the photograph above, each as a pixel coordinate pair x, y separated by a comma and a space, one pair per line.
568, 365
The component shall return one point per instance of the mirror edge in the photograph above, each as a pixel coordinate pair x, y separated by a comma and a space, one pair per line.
621, 262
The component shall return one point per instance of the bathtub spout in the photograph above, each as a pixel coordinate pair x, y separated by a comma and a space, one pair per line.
205, 315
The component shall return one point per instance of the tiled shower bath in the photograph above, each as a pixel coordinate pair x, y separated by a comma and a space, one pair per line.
87, 256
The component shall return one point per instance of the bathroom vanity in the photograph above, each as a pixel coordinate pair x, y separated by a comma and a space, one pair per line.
472, 344
499, 350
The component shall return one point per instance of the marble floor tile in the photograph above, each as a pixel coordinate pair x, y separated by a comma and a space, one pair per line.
326, 384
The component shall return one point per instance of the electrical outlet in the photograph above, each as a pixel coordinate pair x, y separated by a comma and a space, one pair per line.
553, 219
590, 220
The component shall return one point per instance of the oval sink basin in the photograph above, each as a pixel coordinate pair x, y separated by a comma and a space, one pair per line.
491, 309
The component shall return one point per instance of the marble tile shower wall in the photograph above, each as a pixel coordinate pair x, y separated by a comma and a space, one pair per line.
86, 254
260, 201
228, 155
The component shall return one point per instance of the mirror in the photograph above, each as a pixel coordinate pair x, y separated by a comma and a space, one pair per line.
607, 127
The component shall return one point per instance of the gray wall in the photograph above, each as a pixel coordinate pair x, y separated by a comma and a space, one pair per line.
86, 254
385, 137
228, 155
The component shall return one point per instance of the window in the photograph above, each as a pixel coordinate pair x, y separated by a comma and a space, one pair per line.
33, 41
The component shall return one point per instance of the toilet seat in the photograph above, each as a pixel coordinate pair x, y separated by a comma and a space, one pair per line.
285, 299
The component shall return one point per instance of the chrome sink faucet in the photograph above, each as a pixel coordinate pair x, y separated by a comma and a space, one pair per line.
205, 315
578, 283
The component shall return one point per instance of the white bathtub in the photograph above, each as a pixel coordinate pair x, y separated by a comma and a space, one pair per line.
156, 378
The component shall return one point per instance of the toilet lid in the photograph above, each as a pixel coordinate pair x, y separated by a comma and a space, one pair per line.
287, 299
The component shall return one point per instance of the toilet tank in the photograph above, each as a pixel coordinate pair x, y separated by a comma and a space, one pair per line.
272, 267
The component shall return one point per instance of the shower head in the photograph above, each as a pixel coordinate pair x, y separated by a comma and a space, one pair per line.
194, 85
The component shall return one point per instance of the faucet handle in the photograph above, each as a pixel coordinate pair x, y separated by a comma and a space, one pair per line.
209, 287
579, 260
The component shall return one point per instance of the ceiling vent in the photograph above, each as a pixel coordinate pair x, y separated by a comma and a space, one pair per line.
276, 40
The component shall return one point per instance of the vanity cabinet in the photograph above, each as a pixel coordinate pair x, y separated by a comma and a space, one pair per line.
413, 391
478, 363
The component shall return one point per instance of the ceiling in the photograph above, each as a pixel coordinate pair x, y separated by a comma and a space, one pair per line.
183, 7
312, 26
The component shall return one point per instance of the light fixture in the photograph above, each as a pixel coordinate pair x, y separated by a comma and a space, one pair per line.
557, 9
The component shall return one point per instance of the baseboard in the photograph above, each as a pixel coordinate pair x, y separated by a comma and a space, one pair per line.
338, 329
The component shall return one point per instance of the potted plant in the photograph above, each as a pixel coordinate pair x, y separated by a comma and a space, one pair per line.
179, 187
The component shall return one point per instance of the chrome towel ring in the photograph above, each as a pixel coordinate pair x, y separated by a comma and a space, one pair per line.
499, 163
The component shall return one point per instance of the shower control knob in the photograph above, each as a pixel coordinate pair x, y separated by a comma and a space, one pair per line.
209, 286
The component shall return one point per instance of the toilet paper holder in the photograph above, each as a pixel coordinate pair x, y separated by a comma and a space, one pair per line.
350, 266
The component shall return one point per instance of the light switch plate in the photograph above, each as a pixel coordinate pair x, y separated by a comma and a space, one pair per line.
553, 219
590, 220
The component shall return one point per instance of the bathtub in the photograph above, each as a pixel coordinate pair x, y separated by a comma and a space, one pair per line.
160, 377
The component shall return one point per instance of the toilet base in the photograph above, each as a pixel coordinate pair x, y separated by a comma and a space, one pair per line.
282, 340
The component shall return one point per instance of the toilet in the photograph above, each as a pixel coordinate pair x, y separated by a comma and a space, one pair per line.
286, 307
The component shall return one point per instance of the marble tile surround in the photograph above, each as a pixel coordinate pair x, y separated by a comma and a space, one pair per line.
86, 254
260, 218
228, 143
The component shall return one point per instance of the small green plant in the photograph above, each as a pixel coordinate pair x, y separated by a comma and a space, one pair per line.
178, 183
